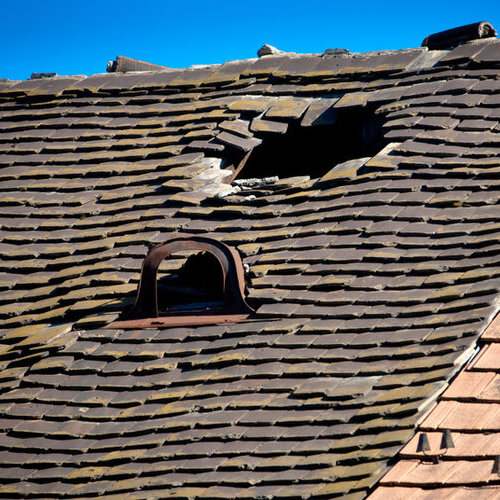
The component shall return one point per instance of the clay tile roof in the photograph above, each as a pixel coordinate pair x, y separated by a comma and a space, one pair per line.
365, 211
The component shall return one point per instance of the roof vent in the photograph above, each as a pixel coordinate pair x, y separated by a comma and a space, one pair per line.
451, 38
124, 64
447, 440
423, 443
496, 465
232, 308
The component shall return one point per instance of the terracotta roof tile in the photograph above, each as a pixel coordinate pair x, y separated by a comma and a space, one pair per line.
469, 385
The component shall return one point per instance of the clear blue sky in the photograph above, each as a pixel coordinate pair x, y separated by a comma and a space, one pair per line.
79, 37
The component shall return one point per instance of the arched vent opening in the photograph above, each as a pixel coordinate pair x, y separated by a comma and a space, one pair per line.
196, 284
202, 283
314, 150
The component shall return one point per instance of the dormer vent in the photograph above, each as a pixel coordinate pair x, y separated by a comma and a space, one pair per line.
213, 277
455, 36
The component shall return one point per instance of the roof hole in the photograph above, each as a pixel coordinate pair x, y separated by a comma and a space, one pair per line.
315, 150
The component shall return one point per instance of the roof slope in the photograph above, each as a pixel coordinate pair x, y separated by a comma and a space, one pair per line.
470, 411
373, 282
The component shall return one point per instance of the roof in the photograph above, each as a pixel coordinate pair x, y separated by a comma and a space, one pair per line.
372, 281
469, 410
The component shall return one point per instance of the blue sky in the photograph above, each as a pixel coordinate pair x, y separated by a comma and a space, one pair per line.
79, 37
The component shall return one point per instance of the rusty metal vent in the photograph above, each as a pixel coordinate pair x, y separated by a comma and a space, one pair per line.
232, 308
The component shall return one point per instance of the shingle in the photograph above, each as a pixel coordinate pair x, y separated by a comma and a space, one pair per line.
266, 65
229, 72
489, 54
240, 127
259, 125
287, 108
296, 65
44, 86
465, 52
245, 144
320, 112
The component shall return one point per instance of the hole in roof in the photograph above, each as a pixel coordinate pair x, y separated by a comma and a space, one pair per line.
316, 149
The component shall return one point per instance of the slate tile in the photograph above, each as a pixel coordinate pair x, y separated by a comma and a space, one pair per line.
229, 72
486, 87
464, 52
457, 86
296, 65
291, 108
191, 77
438, 123
266, 65
239, 127
354, 100
320, 112
244, 144
21, 489
489, 54
259, 125
44, 86
256, 89
328, 66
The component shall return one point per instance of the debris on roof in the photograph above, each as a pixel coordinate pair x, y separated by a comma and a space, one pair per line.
346, 170
268, 50
255, 183
337, 53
